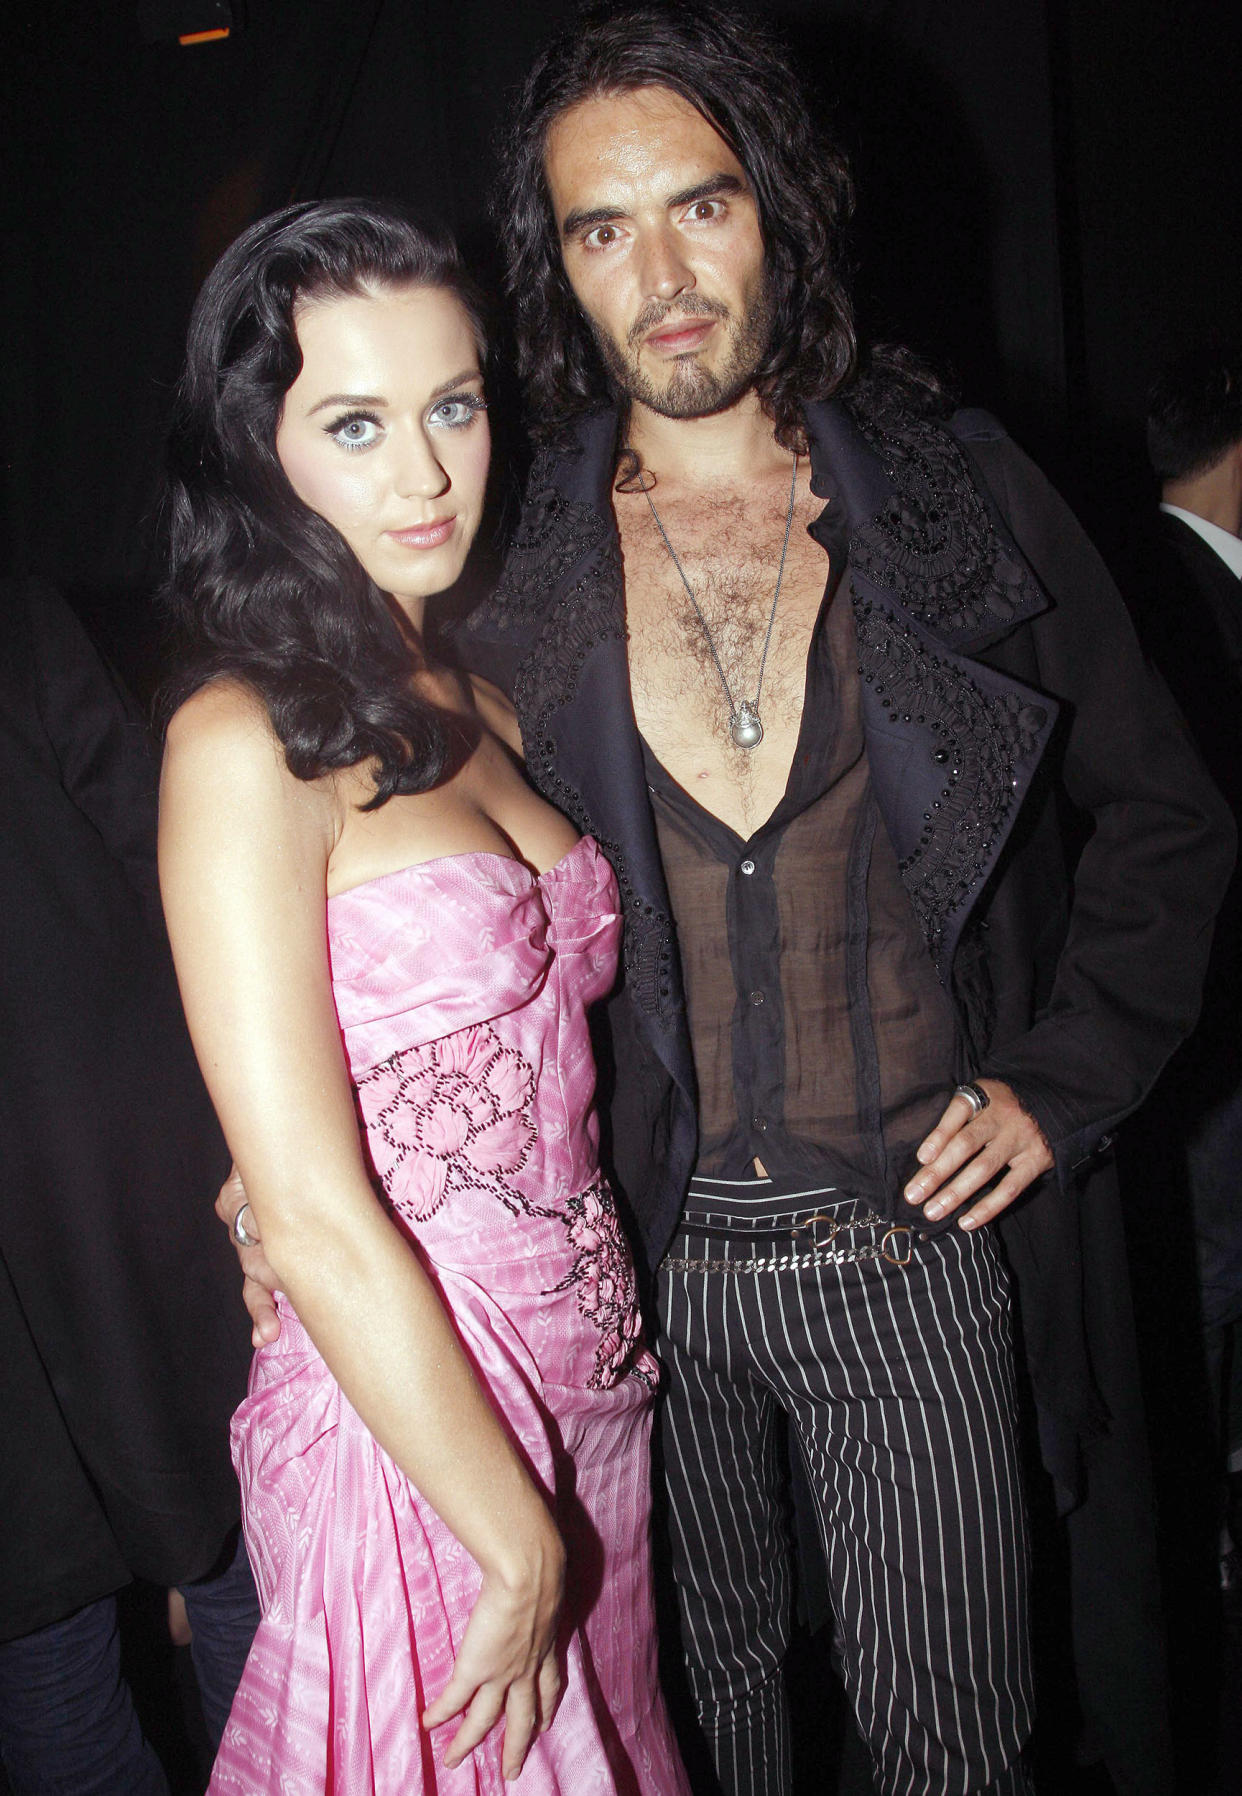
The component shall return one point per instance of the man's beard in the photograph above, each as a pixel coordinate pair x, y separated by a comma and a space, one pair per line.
691, 391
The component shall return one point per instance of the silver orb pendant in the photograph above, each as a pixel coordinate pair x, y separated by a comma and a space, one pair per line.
745, 727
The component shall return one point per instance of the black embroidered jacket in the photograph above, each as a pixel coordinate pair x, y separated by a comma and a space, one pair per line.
1007, 710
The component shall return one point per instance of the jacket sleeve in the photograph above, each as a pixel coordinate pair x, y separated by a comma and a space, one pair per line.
1159, 840
101, 745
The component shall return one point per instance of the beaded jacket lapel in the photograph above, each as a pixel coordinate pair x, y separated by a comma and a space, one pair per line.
934, 579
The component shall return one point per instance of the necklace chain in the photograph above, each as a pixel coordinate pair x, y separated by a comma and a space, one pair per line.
745, 725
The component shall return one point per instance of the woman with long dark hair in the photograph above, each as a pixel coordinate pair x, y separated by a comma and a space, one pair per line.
386, 943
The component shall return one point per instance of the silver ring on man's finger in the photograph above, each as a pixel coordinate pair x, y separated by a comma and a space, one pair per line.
241, 1234
975, 1096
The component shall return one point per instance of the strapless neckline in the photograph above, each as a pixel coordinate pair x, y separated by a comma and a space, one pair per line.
466, 855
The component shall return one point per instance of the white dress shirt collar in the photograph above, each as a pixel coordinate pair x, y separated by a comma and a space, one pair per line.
1228, 547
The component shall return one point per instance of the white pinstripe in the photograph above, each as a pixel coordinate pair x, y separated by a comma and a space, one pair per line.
900, 1390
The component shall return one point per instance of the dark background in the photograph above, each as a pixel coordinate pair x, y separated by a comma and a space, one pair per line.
1049, 202
1049, 197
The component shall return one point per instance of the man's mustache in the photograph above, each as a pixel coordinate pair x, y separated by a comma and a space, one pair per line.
690, 305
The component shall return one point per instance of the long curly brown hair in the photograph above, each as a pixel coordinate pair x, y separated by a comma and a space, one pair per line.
733, 72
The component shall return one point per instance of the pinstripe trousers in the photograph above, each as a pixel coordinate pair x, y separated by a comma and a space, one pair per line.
897, 1383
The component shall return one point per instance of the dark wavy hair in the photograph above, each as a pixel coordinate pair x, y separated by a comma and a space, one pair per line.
259, 586
732, 72
1194, 410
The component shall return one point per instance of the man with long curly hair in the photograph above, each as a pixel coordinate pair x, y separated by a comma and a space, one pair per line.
821, 665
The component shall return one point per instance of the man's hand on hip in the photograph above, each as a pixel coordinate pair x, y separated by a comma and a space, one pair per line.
260, 1281
969, 1148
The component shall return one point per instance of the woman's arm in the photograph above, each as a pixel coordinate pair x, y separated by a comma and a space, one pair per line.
243, 857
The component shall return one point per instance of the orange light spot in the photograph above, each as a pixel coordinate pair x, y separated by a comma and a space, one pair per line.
204, 37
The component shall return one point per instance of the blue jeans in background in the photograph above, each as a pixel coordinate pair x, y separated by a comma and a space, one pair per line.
67, 1720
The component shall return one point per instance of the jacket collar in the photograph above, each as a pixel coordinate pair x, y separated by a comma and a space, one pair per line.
922, 526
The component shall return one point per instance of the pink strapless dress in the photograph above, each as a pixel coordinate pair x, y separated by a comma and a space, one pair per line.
461, 986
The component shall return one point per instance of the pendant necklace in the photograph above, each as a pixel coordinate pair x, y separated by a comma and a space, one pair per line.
745, 726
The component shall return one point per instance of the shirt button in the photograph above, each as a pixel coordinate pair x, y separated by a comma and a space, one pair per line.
747, 867
760, 1123
756, 997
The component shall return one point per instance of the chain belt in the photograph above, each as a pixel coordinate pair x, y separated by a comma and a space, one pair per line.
822, 1252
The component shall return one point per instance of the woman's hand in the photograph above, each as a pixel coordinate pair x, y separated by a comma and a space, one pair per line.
258, 1278
508, 1661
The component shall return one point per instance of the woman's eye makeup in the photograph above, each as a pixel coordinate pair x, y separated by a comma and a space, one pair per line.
363, 430
355, 430
457, 410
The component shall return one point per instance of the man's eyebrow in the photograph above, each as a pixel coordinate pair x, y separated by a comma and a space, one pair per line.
711, 189
586, 218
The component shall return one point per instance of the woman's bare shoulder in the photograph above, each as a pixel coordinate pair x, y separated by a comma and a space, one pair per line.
221, 751
223, 715
497, 712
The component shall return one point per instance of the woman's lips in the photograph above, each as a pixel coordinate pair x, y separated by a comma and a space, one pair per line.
424, 536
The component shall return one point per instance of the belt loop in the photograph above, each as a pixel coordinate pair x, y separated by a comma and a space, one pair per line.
897, 1229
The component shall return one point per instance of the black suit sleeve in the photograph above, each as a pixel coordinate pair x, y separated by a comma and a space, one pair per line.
1159, 840
103, 749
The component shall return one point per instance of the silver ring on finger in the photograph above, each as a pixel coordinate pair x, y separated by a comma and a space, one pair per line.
975, 1096
241, 1234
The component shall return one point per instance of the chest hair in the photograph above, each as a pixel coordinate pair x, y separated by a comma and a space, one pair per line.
730, 550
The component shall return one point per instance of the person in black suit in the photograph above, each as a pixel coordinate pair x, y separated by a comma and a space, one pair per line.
121, 1358
1192, 602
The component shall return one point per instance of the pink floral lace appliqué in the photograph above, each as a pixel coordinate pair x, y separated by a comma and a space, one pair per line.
602, 1277
462, 1105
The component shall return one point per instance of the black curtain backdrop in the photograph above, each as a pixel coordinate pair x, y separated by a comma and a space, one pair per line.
1048, 198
